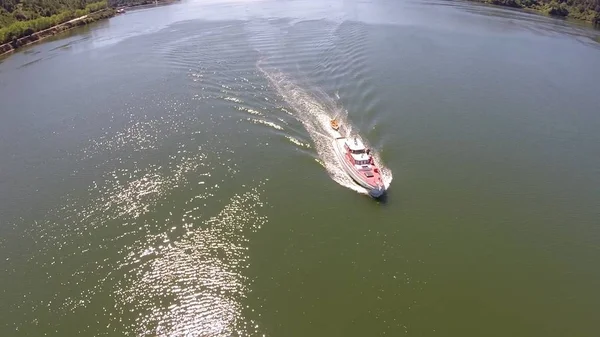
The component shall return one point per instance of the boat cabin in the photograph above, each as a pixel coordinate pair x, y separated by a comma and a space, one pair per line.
357, 151
355, 146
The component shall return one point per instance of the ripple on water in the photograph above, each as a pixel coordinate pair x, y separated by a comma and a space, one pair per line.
297, 142
267, 123
250, 111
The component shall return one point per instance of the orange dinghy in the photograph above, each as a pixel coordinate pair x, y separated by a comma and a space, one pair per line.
334, 125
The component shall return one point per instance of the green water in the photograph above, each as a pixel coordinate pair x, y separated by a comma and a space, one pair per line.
168, 172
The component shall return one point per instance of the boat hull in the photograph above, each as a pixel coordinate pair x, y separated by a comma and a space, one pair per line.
375, 190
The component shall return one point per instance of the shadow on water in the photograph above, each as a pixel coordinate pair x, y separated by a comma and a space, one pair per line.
383, 200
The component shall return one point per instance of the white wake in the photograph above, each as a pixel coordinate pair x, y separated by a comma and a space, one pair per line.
315, 112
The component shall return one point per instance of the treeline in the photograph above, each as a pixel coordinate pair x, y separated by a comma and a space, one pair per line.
23, 18
588, 10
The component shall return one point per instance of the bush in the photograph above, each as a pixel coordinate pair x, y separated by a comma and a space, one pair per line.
19, 15
96, 6
557, 9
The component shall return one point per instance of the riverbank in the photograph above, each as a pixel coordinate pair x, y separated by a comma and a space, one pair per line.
578, 11
140, 4
43, 34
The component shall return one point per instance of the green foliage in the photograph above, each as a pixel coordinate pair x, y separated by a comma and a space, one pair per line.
36, 21
25, 10
96, 6
557, 9
588, 10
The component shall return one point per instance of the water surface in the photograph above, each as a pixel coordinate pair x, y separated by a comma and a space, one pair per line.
168, 172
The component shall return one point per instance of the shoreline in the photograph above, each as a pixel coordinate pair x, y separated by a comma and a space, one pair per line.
145, 4
557, 11
107, 13
12, 46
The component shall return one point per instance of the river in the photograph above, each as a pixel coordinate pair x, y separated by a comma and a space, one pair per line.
168, 172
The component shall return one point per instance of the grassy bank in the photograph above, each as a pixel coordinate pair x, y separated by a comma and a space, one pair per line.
586, 10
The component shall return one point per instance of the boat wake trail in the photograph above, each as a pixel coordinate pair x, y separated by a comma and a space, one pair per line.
315, 110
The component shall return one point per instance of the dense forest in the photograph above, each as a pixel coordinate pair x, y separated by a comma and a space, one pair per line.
24, 10
19, 18
588, 10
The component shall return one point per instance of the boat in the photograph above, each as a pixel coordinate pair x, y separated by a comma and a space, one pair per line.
359, 164
334, 125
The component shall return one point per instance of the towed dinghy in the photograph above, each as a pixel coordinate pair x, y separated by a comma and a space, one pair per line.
334, 125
